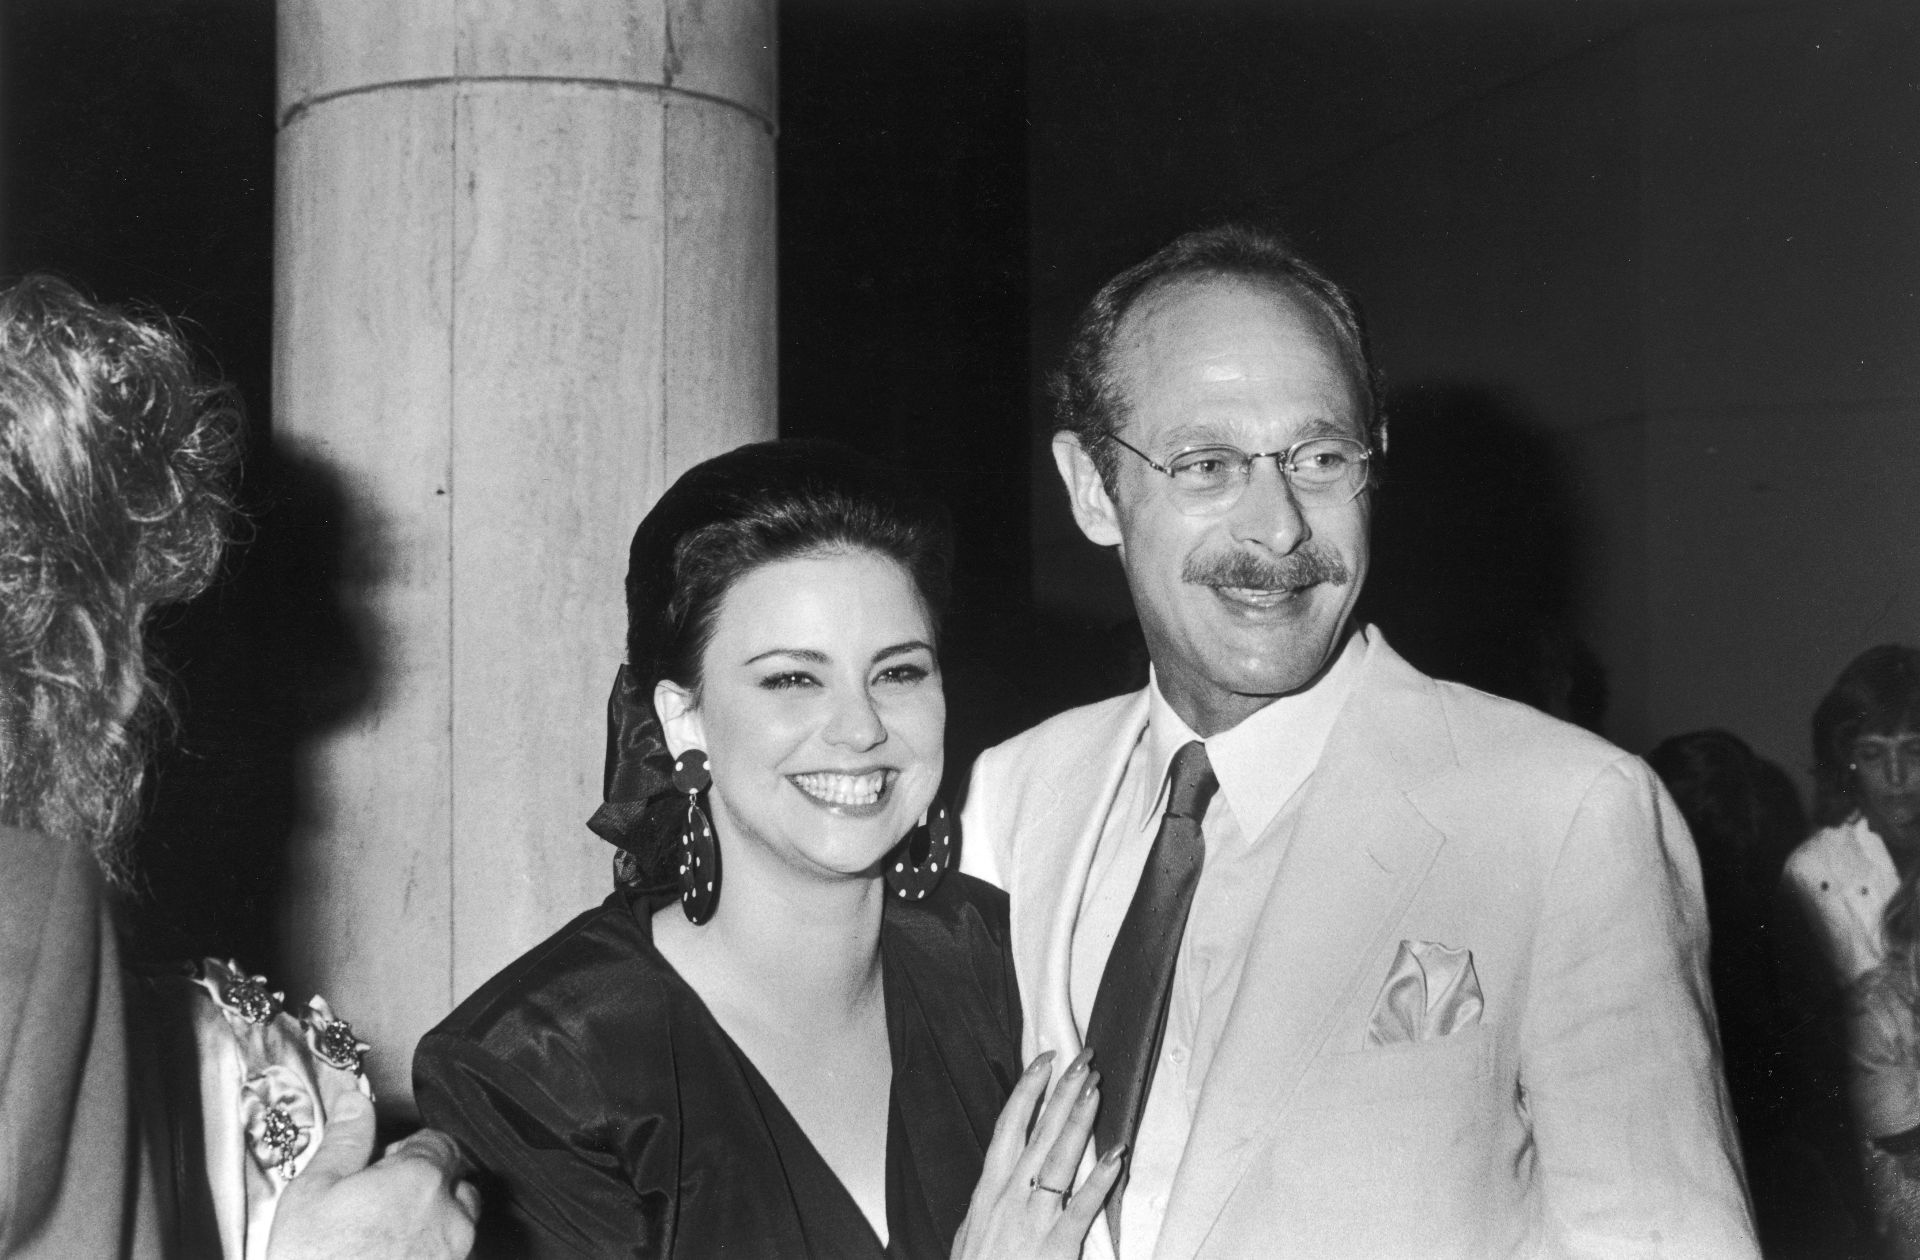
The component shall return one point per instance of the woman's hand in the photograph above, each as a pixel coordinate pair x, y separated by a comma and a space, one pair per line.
1025, 1207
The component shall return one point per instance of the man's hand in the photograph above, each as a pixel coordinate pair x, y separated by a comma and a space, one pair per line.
412, 1203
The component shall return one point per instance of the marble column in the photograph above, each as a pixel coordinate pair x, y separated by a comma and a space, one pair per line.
524, 276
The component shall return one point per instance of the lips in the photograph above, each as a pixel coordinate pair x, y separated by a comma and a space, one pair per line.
1259, 596
844, 791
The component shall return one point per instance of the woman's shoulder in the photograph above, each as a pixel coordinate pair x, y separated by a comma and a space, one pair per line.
1830, 849
956, 940
596, 979
959, 903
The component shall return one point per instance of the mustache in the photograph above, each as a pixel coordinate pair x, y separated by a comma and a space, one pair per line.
1307, 567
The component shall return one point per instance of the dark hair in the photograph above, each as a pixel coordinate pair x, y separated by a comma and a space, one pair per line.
1742, 809
115, 457
1878, 693
755, 506
1086, 396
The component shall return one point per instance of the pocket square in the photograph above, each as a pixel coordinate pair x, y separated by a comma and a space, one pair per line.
1431, 992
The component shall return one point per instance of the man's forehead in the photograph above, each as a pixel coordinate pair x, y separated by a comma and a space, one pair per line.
1198, 305
1228, 332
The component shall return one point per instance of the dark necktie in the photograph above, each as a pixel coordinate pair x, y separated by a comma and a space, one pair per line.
1130, 1008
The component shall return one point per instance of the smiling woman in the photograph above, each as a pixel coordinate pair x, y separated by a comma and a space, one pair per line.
790, 1031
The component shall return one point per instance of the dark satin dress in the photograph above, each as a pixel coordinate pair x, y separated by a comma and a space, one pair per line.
612, 1116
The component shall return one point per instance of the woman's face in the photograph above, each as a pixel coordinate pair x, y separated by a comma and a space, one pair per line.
821, 711
1886, 775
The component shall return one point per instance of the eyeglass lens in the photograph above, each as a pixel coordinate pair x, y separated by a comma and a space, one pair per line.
1321, 470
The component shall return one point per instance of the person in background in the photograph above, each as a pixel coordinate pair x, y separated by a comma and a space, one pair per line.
1745, 816
1883, 1052
1845, 942
1866, 768
115, 459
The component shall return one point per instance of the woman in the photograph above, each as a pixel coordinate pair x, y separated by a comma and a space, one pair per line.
1866, 749
1855, 883
129, 1112
790, 1030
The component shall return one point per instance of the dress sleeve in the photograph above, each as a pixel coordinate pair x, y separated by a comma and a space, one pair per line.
1619, 1063
554, 1182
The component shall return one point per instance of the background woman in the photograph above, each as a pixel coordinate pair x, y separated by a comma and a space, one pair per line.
115, 458
1854, 882
1866, 749
761, 1044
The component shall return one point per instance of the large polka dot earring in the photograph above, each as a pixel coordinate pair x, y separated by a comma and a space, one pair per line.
914, 868
699, 847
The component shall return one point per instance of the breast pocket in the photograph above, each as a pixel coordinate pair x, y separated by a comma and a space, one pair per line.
1447, 1069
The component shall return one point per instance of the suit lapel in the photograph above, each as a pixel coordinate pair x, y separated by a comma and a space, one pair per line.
1359, 852
1053, 861
1053, 875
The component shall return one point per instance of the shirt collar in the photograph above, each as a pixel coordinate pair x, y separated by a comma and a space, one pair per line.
1264, 760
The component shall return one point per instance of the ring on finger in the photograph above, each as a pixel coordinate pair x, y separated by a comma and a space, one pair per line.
1033, 1183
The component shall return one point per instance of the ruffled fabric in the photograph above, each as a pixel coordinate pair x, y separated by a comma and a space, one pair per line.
641, 810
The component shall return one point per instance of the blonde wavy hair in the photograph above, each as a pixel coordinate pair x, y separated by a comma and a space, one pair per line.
116, 458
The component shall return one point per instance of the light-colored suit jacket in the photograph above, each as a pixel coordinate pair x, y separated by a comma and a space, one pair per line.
1581, 1114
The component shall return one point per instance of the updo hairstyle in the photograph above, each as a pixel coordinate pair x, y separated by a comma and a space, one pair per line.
753, 506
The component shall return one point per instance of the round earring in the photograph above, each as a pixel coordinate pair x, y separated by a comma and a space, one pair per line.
914, 867
699, 848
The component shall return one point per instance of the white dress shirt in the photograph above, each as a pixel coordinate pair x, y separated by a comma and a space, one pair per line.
1261, 764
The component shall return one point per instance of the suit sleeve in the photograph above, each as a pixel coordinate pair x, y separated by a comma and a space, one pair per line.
1620, 1071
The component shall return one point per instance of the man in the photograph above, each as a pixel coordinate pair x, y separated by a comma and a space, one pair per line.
1437, 982
114, 463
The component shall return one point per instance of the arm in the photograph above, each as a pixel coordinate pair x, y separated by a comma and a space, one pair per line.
1619, 1067
550, 1188
409, 1205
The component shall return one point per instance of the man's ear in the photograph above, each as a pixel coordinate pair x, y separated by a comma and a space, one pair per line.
1093, 511
679, 717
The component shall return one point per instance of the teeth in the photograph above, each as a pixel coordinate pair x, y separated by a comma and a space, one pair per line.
842, 789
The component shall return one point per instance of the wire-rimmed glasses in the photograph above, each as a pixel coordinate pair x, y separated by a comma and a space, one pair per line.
1323, 471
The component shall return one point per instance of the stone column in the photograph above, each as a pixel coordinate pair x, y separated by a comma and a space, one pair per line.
524, 276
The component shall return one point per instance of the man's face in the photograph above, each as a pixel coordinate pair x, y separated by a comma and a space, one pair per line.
1248, 603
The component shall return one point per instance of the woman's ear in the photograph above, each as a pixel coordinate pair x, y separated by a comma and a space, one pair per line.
679, 717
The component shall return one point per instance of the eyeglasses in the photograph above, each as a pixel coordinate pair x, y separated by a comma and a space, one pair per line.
1323, 471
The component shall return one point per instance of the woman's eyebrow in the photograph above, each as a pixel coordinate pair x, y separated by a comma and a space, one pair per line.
810, 655
902, 649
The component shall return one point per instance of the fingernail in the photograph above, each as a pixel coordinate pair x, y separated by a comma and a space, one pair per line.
1115, 1155
1040, 1062
1091, 1088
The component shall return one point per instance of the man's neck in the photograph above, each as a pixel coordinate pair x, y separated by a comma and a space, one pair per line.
1210, 711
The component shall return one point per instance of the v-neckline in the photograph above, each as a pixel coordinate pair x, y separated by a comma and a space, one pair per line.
773, 1107
775, 1111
